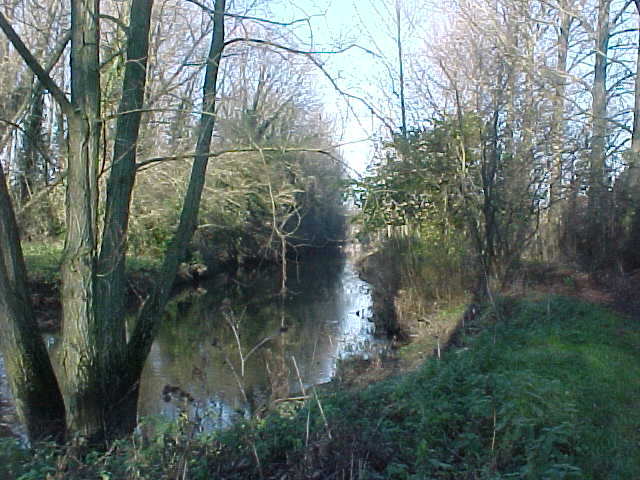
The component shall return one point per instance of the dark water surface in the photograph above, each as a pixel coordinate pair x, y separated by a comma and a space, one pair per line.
235, 345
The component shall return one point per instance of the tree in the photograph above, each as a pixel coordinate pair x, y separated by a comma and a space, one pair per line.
98, 390
31, 378
598, 205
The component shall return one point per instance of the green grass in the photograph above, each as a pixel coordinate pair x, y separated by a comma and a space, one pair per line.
535, 389
43, 262
583, 360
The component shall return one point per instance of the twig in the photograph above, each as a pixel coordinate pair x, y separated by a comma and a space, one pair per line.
292, 399
324, 418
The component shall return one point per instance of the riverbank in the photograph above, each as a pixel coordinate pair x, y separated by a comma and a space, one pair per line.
43, 266
540, 382
536, 387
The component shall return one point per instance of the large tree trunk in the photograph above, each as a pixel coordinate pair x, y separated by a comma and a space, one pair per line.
33, 383
100, 374
82, 339
125, 365
111, 286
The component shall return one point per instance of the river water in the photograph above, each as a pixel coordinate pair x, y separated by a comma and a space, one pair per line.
235, 344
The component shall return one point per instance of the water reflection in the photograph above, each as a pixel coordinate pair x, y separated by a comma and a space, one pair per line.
239, 346
7, 413
236, 345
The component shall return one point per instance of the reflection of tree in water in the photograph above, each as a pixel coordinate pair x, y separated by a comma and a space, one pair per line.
277, 369
234, 345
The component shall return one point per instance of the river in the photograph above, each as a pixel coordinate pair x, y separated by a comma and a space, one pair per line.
235, 344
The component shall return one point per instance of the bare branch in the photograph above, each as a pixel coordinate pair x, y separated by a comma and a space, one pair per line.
210, 11
55, 56
117, 21
189, 156
320, 66
40, 150
35, 67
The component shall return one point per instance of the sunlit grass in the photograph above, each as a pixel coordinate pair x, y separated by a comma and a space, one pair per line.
43, 261
594, 355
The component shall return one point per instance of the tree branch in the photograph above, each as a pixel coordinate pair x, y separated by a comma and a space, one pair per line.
255, 19
320, 66
188, 156
123, 26
35, 141
55, 56
35, 67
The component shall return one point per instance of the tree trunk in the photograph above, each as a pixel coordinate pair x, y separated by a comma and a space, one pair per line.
556, 172
557, 122
112, 286
100, 379
31, 143
82, 332
148, 320
33, 383
597, 187
31, 378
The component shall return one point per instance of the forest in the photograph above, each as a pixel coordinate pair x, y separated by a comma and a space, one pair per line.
401, 235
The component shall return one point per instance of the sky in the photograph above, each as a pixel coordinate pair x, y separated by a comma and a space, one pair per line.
366, 25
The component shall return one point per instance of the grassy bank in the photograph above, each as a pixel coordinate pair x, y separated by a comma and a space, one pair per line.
43, 262
43, 267
413, 280
536, 388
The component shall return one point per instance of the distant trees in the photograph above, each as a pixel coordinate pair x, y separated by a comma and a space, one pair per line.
550, 169
281, 178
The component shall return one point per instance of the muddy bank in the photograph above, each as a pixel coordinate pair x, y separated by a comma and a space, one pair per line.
406, 313
384, 278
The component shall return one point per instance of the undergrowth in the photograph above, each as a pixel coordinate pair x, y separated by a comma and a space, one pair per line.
43, 262
532, 389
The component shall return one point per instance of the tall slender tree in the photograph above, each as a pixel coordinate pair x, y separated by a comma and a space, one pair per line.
597, 168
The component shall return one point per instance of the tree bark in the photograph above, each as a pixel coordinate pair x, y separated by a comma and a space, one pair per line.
81, 361
33, 383
111, 286
597, 173
552, 217
100, 376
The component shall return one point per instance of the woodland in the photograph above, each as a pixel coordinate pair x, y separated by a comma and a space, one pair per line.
503, 154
